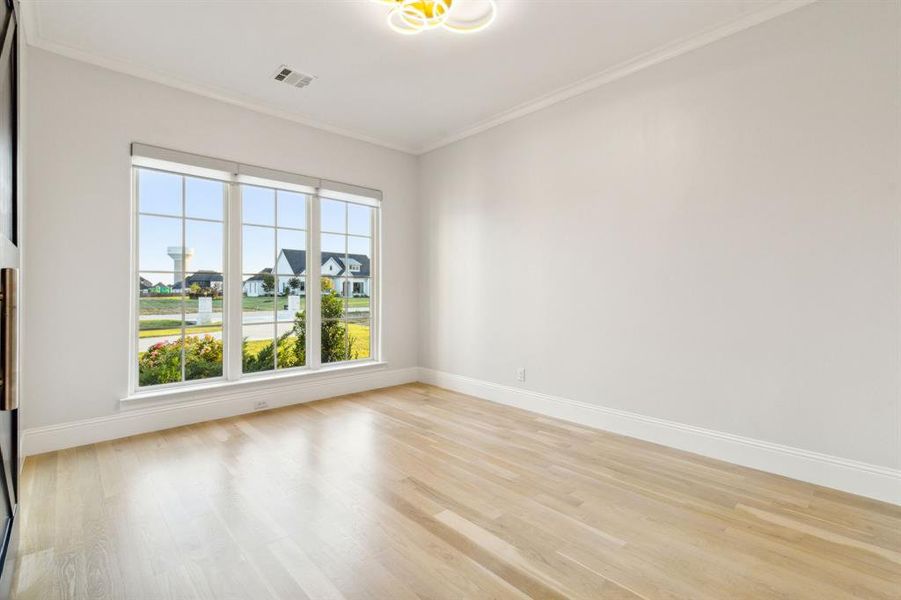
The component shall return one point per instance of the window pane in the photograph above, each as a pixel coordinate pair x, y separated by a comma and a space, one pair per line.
291, 297
289, 353
258, 353
334, 341
160, 308
334, 244
334, 248
203, 241
334, 217
258, 303
292, 210
258, 249
359, 219
159, 243
333, 303
359, 251
159, 305
159, 193
358, 303
358, 338
292, 252
203, 302
203, 355
204, 198
159, 359
258, 205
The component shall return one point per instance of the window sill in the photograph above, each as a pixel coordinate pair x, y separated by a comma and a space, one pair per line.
206, 391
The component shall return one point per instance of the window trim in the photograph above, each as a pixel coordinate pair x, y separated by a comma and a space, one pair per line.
234, 175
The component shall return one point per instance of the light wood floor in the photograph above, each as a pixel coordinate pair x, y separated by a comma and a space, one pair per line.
415, 492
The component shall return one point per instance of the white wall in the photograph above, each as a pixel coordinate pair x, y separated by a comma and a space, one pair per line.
81, 120
733, 215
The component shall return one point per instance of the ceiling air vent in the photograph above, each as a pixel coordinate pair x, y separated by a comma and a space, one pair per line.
288, 75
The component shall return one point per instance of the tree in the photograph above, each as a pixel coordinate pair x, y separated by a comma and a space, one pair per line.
268, 283
194, 290
294, 284
335, 345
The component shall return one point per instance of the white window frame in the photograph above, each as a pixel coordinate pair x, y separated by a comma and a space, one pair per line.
234, 175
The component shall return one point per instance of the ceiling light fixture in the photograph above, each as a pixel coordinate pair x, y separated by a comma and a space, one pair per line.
410, 17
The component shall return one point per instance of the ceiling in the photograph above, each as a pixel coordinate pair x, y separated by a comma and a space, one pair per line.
408, 92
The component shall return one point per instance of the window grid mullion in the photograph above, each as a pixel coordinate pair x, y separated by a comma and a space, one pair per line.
227, 267
347, 293
275, 274
314, 284
232, 312
182, 273
136, 280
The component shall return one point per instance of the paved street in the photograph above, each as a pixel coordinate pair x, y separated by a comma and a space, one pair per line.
255, 325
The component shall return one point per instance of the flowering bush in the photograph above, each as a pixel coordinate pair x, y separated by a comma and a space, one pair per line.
161, 363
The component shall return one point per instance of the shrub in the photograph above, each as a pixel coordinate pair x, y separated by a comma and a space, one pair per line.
203, 357
262, 359
336, 344
161, 363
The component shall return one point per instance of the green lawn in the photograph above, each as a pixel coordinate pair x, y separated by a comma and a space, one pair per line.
147, 333
360, 333
168, 305
160, 323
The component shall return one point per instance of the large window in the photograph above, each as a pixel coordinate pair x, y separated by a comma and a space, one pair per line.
243, 271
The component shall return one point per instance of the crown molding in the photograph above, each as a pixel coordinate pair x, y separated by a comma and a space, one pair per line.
31, 29
624, 69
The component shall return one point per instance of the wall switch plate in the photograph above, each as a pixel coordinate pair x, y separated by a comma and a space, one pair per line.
521, 374
260, 405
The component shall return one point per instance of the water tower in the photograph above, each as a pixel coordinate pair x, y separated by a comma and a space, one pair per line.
181, 259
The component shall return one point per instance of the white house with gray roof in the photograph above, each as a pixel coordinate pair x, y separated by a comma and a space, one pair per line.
349, 273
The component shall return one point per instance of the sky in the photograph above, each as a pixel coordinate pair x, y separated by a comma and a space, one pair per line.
345, 226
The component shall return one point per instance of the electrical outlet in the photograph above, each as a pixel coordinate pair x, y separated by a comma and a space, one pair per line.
521, 374
260, 405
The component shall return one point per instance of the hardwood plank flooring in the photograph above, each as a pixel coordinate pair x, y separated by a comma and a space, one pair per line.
418, 492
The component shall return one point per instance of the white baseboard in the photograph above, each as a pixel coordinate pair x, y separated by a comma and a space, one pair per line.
872, 481
214, 404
